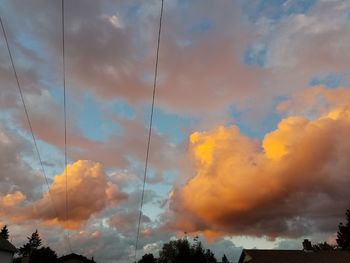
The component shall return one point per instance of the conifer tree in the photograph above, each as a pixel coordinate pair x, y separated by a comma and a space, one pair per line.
4, 233
343, 235
34, 242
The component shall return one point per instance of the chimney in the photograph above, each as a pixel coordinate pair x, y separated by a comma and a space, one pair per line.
307, 247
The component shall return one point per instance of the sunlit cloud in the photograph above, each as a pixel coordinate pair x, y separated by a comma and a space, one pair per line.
12, 199
267, 148
89, 191
244, 186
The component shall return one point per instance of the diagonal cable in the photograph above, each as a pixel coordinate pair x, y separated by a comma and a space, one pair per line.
27, 117
150, 129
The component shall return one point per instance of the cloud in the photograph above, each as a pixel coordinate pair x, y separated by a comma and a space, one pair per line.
296, 49
114, 151
117, 150
12, 199
115, 20
110, 49
315, 101
127, 222
117, 57
289, 244
274, 187
300, 47
89, 192
16, 175
224, 246
48, 125
300, 39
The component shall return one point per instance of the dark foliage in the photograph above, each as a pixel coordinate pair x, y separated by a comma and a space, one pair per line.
34, 242
209, 256
4, 233
343, 235
43, 255
148, 258
307, 245
181, 251
322, 247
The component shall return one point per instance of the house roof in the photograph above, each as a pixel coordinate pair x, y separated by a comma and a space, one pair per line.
5, 245
76, 257
293, 256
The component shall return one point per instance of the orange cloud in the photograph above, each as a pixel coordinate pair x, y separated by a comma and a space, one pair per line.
13, 199
89, 192
316, 101
285, 185
11, 206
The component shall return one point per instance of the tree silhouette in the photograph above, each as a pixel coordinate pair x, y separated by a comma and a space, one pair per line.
322, 246
147, 258
4, 233
224, 259
43, 255
34, 242
343, 235
209, 256
175, 251
181, 251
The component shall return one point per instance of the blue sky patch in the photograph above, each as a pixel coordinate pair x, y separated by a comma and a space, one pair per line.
254, 127
92, 123
276, 9
256, 55
330, 80
123, 109
172, 125
203, 26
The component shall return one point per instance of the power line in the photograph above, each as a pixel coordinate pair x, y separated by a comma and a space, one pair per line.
150, 128
29, 122
27, 117
65, 122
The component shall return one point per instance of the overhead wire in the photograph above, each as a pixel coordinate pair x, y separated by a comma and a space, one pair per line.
65, 124
150, 129
43, 172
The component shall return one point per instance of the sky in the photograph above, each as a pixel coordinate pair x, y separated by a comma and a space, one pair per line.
250, 139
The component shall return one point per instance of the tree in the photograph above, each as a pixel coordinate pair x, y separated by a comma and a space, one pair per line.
181, 251
43, 255
4, 233
209, 256
224, 259
343, 235
34, 242
198, 254
175, 251
147, 258
322, 246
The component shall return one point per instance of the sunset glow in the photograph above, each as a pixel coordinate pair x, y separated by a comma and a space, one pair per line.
250, 137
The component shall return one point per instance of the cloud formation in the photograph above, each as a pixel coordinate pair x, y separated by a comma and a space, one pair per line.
215, 60
89, 192
12, 199
16, 175
117, 57
285, 185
